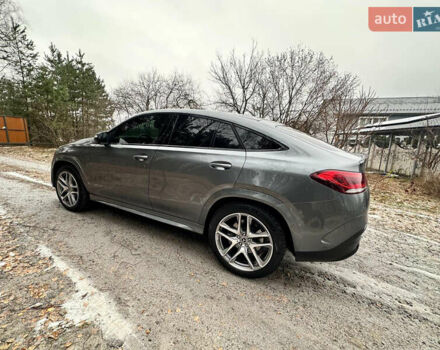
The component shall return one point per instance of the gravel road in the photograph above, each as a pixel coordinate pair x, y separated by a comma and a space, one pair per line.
166, 280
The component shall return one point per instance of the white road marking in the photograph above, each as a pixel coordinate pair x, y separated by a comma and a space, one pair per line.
26, 178
89, 304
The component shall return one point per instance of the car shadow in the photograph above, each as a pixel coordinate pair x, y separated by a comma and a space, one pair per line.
149, 226
191, 244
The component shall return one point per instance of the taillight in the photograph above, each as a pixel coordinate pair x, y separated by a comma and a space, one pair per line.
342, 181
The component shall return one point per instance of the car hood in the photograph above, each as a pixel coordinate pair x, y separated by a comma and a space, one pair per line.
81, 142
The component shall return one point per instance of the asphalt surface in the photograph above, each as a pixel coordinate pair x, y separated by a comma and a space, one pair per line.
167, 280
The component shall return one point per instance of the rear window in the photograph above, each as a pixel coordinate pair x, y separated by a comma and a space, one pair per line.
225, 137
254, 141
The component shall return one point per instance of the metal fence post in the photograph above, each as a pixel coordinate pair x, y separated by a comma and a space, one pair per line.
389, 152
419, 145
6, 129
381, 157
369, 149
372, 158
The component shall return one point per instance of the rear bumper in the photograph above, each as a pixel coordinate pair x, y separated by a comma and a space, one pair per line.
342, 251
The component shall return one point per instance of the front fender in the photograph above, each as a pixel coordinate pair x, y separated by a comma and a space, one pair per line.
72, 160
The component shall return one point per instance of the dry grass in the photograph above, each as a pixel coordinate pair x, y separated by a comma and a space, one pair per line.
430, 183
39, 154
404, 193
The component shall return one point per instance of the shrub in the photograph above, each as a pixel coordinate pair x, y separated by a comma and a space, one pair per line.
430, 183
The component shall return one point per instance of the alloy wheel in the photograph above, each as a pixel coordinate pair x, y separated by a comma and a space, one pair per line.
244, 242
67, 188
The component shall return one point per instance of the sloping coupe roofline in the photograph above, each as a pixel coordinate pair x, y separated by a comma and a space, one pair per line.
227, 116
262, 126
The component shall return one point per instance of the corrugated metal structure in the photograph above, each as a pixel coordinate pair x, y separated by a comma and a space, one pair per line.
13, 131
399, 107
403, 126
391, 108
423, 129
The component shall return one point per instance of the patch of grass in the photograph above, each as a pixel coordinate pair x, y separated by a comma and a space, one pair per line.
404, 193
39, 154
430, 183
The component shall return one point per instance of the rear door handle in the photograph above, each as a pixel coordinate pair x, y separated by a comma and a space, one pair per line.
140, 157
220, 165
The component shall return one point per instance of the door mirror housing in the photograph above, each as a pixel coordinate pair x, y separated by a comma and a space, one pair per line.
102, 138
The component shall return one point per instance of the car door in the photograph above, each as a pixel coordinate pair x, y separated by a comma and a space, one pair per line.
119, 171
202, 156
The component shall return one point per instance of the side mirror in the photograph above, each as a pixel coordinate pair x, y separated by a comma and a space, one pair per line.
102, 138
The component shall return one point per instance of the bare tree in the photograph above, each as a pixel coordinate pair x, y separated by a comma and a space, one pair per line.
237, 80
298, 88
155, 91
294, 85
431, 155
339, 115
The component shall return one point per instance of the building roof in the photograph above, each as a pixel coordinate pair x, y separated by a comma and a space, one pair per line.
403, 124
403, 105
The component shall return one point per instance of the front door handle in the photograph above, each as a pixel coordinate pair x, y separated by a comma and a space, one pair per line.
220, 165
140, 157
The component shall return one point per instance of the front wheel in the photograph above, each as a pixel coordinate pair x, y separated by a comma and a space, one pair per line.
70, 190
247, 239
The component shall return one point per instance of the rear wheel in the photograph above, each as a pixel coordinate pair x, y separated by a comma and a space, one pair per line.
70, 189
247, 239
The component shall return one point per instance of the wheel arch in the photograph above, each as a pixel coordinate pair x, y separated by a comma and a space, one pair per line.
63, 162
231, 199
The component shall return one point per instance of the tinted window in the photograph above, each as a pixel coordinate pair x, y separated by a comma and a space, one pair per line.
252, 140
146, 129
193, 131
225, 137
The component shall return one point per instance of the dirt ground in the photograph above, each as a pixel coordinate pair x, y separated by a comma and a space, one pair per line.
32, 295
108, 279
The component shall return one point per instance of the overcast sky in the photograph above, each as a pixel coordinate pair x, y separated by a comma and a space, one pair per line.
123, 38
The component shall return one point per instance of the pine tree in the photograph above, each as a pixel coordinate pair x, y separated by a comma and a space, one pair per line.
70, 100
17, 52
18, 61
62, 97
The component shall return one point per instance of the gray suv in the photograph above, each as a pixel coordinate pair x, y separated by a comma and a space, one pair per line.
254, 187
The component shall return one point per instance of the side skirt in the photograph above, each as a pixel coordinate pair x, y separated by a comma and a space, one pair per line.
151, 214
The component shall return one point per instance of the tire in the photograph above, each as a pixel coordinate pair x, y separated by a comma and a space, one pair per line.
81, 197
270, 238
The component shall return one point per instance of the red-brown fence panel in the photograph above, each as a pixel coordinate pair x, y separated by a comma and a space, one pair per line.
13, 131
